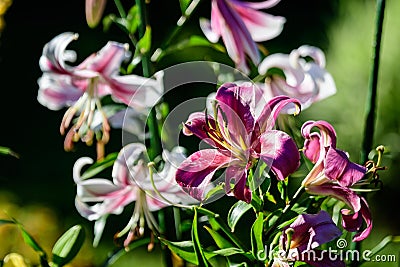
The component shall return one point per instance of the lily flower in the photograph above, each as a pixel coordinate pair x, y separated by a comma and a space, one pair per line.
299, 241
81, 87
131, 183
334, 175
241, 25
239, 138
308, 81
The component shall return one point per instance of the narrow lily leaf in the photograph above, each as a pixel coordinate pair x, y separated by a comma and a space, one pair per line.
100, 166
184, 249
256, 236
270, 197
193, 41
68, 245
6, 222
228, 251
144, 44
8, 151
196, 242
236, 212
221, 242
29, 240
184, 5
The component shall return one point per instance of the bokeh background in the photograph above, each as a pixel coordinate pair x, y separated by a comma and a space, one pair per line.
38, 189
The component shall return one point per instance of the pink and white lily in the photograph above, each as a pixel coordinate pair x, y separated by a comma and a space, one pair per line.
97, 198
241, 25
81, 87
239, 137
301, 239
308, 81
334, 174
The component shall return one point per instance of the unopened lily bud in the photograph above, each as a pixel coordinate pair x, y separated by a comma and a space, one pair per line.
94, 11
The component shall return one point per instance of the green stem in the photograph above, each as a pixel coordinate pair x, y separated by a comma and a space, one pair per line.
370, 109
120, 8
179, 25
155, 140
288, 207
224, 227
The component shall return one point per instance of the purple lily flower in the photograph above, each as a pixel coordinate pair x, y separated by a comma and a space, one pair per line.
307, 81
241, 25
239, 138
334, 174
97, 198
81, 87
308, 232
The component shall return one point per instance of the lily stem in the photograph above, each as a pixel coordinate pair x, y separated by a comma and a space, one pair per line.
370, 108
155, 140
287, 208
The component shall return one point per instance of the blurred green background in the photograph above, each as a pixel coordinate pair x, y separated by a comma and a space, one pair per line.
38, 189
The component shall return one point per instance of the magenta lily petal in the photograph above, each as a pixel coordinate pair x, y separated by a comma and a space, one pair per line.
353, 222
261, 26
279, 151
341, 193
309, 232
260, 5
312, 147
238, 175
236, 100
196, 172
339, 167
269, 114
240, 25
312, 230
57, 93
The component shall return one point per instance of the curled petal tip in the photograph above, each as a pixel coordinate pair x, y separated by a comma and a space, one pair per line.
126, 47
76, 36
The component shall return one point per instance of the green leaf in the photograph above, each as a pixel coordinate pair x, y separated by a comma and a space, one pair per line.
8, 151
144, 44
68, 245
236, 212
228, 251
184, 249
100, 166
196, 242
29, 240
256, 236
219, 240
6, 222
184, 5
192, 41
